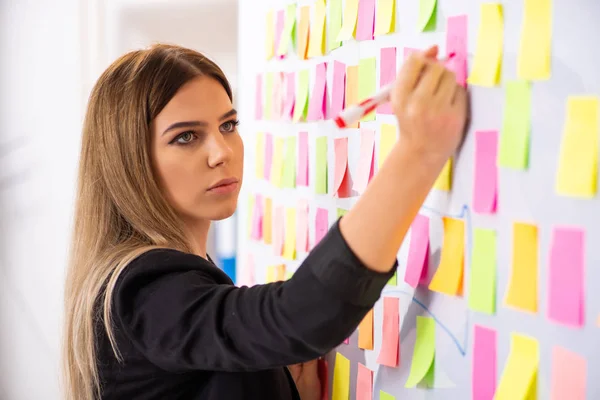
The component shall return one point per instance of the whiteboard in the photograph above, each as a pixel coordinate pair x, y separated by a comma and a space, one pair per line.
522, 195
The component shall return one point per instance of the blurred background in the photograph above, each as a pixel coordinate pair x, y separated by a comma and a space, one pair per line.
52, 52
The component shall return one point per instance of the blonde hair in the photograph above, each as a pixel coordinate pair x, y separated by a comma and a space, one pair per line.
120, 211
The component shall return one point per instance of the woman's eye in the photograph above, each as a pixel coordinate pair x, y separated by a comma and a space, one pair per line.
185, 138
229, 126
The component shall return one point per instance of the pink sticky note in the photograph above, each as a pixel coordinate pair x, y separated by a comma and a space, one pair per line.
364, 383
484, 364
347, 341
318, 99
289, 96
268, 155
566, 289
456, 42
278, 230
338, 92
387, 74
257, 218
302, 172
321, 224
258, 102
302, 226
365, 167
246, 276
486, 172
342, 184
366, 20
279, 24
569, 375
418, 251
389, 352
278, 96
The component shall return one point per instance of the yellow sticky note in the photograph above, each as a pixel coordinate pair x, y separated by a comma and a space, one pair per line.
448, 278
385, 19
289, 246
352, 88
519, 377
270, 35
522, 290
385, 396
444, 180
387, 139
350, 18
536, 39
488, 52
250, 213
270, 274
288, 275
365, 332
341, 378
268, 221
288, 29
424, 352
578, 164
303, 32
277, 162
280, 272
482, 279
367, 84
335, 23
316, 43
260, 155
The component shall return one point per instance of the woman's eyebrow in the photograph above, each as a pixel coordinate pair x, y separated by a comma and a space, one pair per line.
228, 114
196, 124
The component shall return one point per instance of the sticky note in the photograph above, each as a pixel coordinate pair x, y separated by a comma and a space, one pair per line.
341, 212
260, 155
258, 101
278, 230
270, 35
365, 168
289, 164
251, 201
279, 25
349, 21
418, 252
280, 274
316, 42
318, 103
444, 180
364, 383
270, 274
268, 221
393, 280
536, 34
366, 82
303, 32
246, 276
277, 163
366, 20
269, 86
423, 353
519, 377
341, 378
321, 224
302, 226
339, 88
516, 126
385, 19
387, 139
483, 366
569, 375
365, 332
456, 42
321, 166
482, 279
385, 396
301, 106
302, 174
522, 290
335, 23
485, 185
289, 247
352, 88
448, 278
288, 29
390, 332
257, 218
387, 74
341, 180
487, 63
578, 163
427, 15
268, 156
277, 95
566, 274
289, 96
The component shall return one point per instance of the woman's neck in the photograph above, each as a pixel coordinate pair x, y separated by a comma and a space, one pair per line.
197, 233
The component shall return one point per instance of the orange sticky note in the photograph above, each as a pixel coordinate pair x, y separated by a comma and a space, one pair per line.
569, 375
289, 247
303, 32
522, 290
352, 89
365, 332
390, 350
268, 221
448, 278
280, 272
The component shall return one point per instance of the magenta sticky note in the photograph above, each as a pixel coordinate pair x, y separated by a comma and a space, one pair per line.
338, 90
364, 383
258, 102
366, 20
485, 185
289, 96
302, 226
418, 250
257, 218
566, 275
456, 42
390, 334
279, 24
321, 224
387, 74
365, 168
318, 99
483, 364
268, 155
302, 172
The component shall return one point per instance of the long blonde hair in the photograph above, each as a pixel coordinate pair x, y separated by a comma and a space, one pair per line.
120, 212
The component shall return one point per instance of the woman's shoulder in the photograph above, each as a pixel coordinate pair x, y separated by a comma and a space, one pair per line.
160, 261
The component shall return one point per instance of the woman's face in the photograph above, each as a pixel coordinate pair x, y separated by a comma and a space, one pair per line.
197, 152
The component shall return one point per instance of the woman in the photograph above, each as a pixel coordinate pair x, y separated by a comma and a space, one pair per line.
148, 315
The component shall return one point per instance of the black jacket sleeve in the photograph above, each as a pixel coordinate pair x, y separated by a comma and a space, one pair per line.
173, 310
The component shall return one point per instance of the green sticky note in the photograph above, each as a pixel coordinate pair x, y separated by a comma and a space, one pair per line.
335, 23
393, 280
289, 163
482, 283
427, 15
516, 126
290, 16
385, 396
269, 81
341, 212
301, 106
423, 353
321, 166
367, 72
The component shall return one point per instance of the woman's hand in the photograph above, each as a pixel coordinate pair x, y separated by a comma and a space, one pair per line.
307, 380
